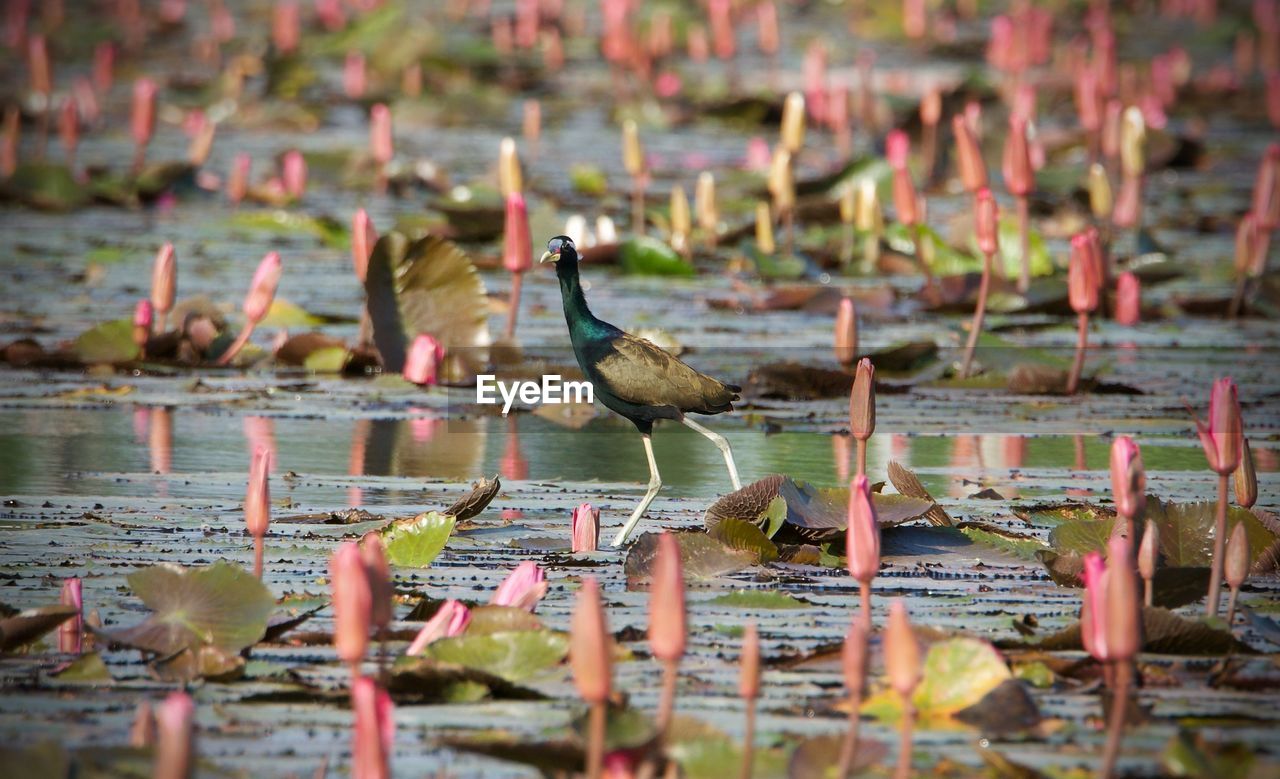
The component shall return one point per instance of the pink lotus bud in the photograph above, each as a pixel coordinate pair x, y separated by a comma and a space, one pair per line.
590, 645
381, 146
363, 238
164, 279
330, 14
86, 101
1266, 198
767, 28
1235, 566
531, 119
374, 732
1111, 116
914, 19
522, 588
1247, 237
104, 65
1082, 279
172, 11
973, 171
1019, 178
450, 620
286, 28
353, 78
293, 173
238, 179
175, 752
853, 656
1128, 477
1088, 100
905, 200
143, 118
257, 498
720, 14
71, 631
352, 603
1222, 437
222, 25
862, 401
1128, 206
1123, 622
667, 620
897, 146
143, 314
38, 65
527, 22
262, 289
902, 662
517, 245
815, 80
931, 107
846, 333
1001, 42
142, 733
986, 222
1128, 299
69, 127
422, 364
1149, 550
381, 591
862, 539
1093, 614
584, 527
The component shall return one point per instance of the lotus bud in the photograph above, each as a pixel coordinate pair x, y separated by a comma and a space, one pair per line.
70, 632
1246, 478
973, 171
720, 13
374, 556
1236, 563
164, 280
422, 364
523, 587
381, 146
680, 219
632, 151
1246, 244
1019, 176
286, 29
294, 174
1149, 550
330, 14
793, 123
853, 656
902, 660
590, 647
1128, 477
352, 603
142, 733
1133, 139
531, 122
606, 231
1082, 281
1128, 299
143, 316
175, 739
986, 222
353, 75
238, 180
767, 28
104, 59
1099, 186
1222, 437
848, 205
450, 620
510, 178
862, 401
1123, 623
781, 184
897, 148
257, 498
666, 602
143, 117
704, 202
868, 216
1088, 100
262, 290
764, 229
38, 65
696, 41
749, 663
69, 128
862, 540
201, 144
846, 333
517, 245
1093, 614
584, 528
363, 238
374, 733
1266, 199
931, 107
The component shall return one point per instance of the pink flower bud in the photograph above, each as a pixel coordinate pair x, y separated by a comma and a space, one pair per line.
38, 65
352, 603
1019, 178
584, 527
902, 661
897, 146
1082, 280
450, 620
104, 65
257, 498
175, 752
1128, 206
422, 364
905, 200
1088, 100
973, 171
143, 118
1149, 550
721, 23
862, 400
767, 27
517, 245
381, 146
1123, 622
1266, 196
1128, 299
238, 179
353, 79
164, 279
374, 732
330, 14
986, 222
286, 28
853, 656
363, 238
1235, 565
374, 556
862, 538
294, 174
1094, 611
1128, 477
262, 289
143, 315
71, 632
590, 645
86, 101
914, 19
1222, 437
522, 588
846, 333
666, 602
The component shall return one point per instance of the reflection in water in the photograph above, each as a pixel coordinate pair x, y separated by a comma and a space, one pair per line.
260, 433
842, 451
514, 466
160, 439
355, 462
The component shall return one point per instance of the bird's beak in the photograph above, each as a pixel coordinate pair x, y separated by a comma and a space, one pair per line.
548, 257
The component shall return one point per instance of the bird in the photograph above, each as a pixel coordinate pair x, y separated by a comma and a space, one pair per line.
636, 379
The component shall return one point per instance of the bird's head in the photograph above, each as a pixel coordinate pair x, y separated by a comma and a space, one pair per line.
561, 244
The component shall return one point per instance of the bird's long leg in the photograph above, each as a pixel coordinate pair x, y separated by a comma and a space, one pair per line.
722, 445
655, 484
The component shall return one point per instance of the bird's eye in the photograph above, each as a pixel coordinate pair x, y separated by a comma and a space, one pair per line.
554, 245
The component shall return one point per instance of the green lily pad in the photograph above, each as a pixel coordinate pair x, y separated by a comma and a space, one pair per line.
423, 679
625, 728
110, 342
289, 315
958, 673
701, 557
1163, 633
706, 753
759, 599
46, 186
1019, 545
822, 513
501, 619
1010, 253
588, 179
1195, 757
417, 542
745, 537
511, 655
819, 757
87, 668
330, 360
645, 256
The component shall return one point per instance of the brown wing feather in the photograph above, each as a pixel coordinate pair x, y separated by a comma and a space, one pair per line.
641, 373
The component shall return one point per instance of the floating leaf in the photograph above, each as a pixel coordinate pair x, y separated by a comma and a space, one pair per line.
1081, 537
109, 342
298, 348
704, 752
820, 514
330, 231
87, 668
645, 256
745, 537
748, 503
501, 619
45, 185
561, 756
220, 605
819, 757
1003, 712
759, 599
625, 728
27, 626
415, 543
287, 315
424, 679
701, 557
588, 179
1193, 756
1163, 633
481, 494
330, 360
206, 662
427, 286
1187, 531
958, 673
1019, 545
512, 655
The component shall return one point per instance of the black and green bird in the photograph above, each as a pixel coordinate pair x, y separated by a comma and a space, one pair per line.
634, 378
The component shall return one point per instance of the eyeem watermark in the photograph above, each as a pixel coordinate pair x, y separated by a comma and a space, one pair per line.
552, 389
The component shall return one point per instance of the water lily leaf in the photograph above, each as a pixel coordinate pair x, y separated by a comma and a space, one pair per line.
759, 599
646, 256
561, 756
417, 542
701, 557
206, 662
46, 186
220, 605
87, 668
818, 514
625, 728
281, 623
1010, 253
1163, 633
474, 502
588, 179
1019, 545
1191, 755
819, 757
511, 655
1082, 537
745, 537
288, 315
704, 752
330, 360
1187, 531
906, 482
109, 342
1003, 712
28, 626
748, 503
1171, 586
427, 286
424, 679
958, 673
298, 348
501, 619
330, 231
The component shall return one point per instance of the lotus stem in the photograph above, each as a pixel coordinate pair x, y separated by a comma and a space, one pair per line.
637, 205
864, 598
846, 244
979, 312
157, 324
849, 747
667, 703
595, 741
1231, 605
1237, 299
1024, 239
918, 230
789, 226
513, 305
929, 143
1122, 673
902, 769
139, 158
749, 741
862, 457
1082, 342
1219, 544
258, 548
1148, 592
238, 344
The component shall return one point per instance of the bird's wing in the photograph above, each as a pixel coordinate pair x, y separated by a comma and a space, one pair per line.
638, 372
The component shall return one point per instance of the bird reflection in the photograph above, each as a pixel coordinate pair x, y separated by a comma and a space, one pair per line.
513, 466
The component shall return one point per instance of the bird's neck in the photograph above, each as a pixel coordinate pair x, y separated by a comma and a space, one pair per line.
581, 320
